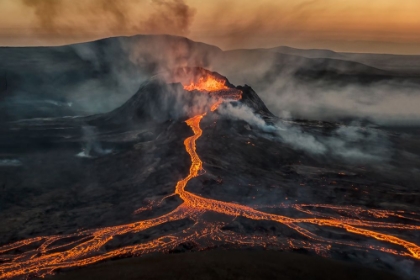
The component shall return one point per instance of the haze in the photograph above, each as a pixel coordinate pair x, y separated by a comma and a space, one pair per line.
385, 26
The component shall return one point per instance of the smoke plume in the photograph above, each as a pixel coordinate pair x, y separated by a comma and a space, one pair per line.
352, 142
91, 147
46, 12
159, 16
170, 13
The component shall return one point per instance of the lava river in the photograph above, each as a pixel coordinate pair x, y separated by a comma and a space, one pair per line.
43, 255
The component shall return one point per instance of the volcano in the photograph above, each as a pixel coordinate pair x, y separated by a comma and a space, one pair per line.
191, 163
191, 91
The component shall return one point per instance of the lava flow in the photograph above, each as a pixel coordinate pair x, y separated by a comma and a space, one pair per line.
41, 256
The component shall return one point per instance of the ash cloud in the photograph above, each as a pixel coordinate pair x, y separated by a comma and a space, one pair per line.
166, 16
171, 13
46, 11
266, 25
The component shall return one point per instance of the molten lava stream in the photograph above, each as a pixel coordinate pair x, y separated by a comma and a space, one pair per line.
85, 247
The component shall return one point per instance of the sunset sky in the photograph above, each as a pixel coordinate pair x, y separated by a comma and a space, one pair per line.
384, 26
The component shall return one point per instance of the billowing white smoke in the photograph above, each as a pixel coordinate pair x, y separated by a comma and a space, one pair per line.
347, 140
246, 114
383, 103
352, 142
91, 147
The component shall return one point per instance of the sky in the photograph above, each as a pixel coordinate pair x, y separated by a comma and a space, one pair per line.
375, 26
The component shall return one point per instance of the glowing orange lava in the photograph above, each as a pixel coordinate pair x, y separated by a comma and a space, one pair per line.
86, 247
207, 83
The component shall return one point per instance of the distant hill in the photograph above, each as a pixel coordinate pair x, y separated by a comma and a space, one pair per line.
396, 63
99, 76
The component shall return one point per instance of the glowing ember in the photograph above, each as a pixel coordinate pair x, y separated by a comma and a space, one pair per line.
43, 255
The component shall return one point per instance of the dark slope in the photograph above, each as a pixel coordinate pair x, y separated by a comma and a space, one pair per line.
53, 184
226, 265
156, 102
251, 99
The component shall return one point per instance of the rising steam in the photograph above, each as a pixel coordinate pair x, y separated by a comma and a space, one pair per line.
352, 142
91, 146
